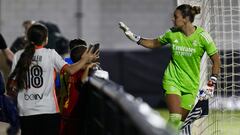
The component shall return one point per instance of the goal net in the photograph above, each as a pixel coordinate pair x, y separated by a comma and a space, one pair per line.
221, 18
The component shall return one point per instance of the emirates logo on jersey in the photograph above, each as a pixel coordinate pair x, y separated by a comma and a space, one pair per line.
183, 50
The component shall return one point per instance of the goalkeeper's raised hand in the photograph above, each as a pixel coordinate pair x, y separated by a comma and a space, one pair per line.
128, 33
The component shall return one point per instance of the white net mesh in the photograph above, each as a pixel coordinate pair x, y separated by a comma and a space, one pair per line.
221, 18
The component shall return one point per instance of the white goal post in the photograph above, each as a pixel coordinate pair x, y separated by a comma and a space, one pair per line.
221, 18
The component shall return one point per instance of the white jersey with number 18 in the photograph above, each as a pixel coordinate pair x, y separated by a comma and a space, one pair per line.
40, 97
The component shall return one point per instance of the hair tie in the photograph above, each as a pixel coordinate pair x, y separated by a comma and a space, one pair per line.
78, 46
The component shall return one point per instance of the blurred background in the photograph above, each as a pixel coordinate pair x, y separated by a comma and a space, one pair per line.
92, 20
138, 69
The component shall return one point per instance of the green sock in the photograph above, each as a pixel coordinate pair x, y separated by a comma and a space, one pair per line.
175, 121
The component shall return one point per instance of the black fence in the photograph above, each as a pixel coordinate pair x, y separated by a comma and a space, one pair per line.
140, 72
111, 111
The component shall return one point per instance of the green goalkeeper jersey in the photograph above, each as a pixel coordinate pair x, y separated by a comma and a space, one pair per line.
183, 70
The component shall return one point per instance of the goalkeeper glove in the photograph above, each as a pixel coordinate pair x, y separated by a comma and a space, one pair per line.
212, 81
208, 90
128, 33
205, 94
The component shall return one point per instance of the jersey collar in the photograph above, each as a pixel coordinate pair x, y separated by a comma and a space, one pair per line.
38, 46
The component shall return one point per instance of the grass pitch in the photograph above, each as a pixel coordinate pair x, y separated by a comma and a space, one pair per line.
217, 123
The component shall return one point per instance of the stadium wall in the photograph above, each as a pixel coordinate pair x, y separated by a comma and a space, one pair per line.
93, 20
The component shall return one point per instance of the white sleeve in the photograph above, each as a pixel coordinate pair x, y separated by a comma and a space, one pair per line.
58, 61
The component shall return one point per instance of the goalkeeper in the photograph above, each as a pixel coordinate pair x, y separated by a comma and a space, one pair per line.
188, 44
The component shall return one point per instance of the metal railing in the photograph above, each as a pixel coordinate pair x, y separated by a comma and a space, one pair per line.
111, 111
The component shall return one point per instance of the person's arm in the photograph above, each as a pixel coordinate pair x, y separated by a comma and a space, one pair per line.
8, 54
212, 52
208, 91
148, 43
6, 51
216, 64
85, 74
87, 57
215, 58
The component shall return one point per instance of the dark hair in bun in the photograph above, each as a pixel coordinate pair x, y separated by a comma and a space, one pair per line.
189, 11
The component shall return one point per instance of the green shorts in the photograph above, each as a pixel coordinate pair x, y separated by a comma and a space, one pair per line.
187, 99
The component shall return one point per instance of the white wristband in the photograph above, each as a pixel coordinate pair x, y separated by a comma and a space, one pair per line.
214, 78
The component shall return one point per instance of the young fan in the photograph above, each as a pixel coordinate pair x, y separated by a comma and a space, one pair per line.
73, 90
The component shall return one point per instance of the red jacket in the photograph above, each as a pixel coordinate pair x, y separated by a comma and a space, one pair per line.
72, 108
